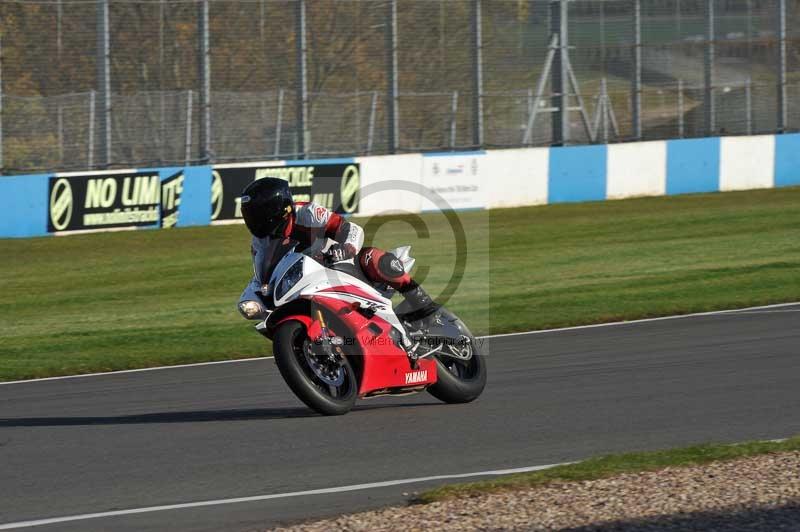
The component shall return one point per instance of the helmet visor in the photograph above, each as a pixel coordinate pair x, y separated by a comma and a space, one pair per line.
262, 227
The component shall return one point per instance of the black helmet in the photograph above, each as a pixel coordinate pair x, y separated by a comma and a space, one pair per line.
267, 207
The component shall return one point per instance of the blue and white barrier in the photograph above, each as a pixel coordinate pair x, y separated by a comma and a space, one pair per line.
64, 203
538, 176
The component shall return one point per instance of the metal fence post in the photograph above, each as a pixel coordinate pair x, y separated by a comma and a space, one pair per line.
1, 103
392, 103
357, 119
279, 123
104, 82
60, 48
453, 115
708, 71
303, 140
530, 104
59, 30
162, 128
90, 154
262, 119
748, 105
60, 119
565, 72
681, 119
636, 81
204, 65
782, 107
372, 112
604, 108
261, 22
559, 11
477, 75
188, 145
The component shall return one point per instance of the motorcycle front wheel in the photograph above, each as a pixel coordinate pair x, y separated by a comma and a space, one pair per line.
328, 387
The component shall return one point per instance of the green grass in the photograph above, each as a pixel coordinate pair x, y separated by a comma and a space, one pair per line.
612, 465
134, 299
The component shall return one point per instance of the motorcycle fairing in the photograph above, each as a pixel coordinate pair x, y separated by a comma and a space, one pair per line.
316, 278
383, 364
371, 323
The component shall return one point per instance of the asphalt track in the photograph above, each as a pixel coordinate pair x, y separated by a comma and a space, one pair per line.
215, 432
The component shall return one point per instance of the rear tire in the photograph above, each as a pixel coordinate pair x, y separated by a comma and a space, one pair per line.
288, 346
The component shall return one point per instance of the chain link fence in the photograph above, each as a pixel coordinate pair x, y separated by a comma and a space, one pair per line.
112, 83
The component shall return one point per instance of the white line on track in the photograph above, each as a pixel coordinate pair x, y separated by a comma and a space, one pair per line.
122, 371
256, 498
747, 310
769, 311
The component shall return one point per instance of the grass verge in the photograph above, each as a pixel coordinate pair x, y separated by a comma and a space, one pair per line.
112, 301
612, 465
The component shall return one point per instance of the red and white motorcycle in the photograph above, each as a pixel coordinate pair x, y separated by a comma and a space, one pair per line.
336, 337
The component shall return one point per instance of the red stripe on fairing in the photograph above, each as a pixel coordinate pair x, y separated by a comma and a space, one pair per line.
352, 290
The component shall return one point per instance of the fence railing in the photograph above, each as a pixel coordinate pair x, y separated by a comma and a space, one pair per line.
150, 82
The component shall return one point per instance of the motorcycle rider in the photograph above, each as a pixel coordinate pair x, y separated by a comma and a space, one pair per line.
277, 224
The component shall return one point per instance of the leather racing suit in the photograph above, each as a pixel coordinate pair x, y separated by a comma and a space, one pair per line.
310, 230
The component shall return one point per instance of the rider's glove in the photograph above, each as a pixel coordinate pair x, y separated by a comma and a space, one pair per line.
338, 253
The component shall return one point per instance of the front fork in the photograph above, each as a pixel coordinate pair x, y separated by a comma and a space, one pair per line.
330, 344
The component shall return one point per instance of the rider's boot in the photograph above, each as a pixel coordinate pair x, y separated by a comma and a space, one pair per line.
420, 305
417, 309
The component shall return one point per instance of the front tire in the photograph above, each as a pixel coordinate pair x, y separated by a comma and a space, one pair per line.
290, 346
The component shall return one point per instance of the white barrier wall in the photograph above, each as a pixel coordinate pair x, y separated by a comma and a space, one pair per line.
636, 170
747, 162
517, 177
379, 195
454, 180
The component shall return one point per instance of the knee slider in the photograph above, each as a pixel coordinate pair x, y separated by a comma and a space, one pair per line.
390, 266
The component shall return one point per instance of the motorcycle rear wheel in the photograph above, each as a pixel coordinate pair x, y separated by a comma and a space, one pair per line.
458, 380
290, 344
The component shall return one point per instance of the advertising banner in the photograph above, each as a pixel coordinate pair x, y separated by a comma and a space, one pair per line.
336, 186
459, 179
114, 200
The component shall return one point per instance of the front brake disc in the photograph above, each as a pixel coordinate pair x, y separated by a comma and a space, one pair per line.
329, 372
